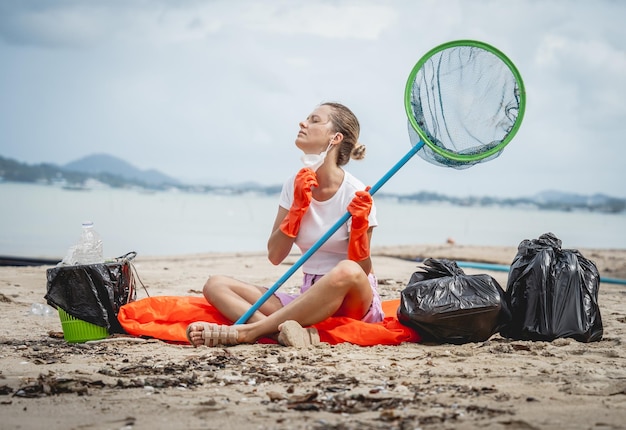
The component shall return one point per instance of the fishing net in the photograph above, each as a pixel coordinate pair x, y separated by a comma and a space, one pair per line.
465, 100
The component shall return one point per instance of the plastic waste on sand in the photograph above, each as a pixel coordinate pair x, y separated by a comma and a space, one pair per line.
88, 250
42, 309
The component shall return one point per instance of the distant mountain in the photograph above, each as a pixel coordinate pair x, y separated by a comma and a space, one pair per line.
548, 200
552, 196
114, 172
107, 164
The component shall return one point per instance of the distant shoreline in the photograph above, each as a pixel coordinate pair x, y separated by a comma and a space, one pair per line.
549, 200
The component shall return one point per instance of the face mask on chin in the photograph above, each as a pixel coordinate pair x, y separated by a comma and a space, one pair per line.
314, 161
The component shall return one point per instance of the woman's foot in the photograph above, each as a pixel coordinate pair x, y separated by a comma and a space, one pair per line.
210, 334
291, 333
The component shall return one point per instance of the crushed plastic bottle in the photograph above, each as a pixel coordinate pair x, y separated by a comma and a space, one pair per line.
42, 309
89, 248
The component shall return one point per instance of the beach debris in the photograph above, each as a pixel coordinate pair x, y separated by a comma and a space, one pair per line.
274, 396
50, 384
55, 334
284, 383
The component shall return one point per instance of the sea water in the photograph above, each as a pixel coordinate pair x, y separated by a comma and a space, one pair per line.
41, 221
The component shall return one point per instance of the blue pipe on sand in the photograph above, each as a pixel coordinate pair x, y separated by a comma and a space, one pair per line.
505, 268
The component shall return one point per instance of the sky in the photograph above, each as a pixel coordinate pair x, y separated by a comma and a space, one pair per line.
211, 92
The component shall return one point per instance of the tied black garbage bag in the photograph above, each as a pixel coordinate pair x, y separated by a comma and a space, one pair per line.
93, 293
445, 305
552, 293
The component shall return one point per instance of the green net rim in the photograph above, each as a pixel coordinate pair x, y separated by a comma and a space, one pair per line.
449, 154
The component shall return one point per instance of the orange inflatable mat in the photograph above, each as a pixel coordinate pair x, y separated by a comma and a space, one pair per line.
167, 318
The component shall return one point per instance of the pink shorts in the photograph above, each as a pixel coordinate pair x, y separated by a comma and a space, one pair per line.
373, 315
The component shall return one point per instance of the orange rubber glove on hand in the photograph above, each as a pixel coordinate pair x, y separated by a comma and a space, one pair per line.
359, 208
302, 195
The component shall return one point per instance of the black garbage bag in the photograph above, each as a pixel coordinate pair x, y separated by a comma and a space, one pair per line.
93, 293
447, 306
552, 293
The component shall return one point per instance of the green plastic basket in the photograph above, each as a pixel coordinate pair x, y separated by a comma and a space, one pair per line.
77, 331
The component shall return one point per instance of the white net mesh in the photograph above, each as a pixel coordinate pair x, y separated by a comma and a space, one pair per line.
466, 101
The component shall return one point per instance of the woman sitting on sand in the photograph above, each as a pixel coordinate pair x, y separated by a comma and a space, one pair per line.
338, 278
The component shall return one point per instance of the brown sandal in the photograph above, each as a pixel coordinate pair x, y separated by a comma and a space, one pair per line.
215, 334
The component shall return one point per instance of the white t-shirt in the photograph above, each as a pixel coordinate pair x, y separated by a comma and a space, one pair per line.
318, 220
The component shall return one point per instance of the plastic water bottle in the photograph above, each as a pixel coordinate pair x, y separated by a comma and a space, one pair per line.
42, 309
89, 247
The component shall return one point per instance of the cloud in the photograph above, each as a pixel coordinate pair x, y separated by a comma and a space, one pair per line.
77, 24
333, 20
189, 87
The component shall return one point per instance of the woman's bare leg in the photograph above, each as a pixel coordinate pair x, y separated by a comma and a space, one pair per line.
233, 298
344, 291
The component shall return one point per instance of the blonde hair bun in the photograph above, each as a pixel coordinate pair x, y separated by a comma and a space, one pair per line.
358, 152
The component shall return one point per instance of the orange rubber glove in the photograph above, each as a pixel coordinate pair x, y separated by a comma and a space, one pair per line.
302, 195
359, 208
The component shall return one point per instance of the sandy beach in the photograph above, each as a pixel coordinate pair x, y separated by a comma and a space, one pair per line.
136, 383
